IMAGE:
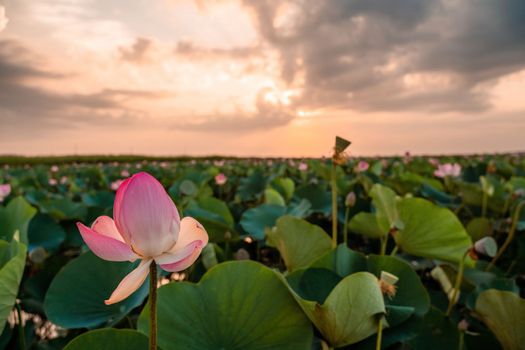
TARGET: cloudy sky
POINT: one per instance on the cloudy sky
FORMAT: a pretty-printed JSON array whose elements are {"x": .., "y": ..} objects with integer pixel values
[{"x": 261, "y": 77}]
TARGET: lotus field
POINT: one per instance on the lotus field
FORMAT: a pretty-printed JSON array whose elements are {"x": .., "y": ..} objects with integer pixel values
[{"x": 344, "y": 252}]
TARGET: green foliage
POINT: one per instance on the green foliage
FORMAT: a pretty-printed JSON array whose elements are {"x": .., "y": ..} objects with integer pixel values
[
  {"x": 12, "y": 263},
  {"x": 254, "y": 221},
  {"x": 431, "y": 231},
  {"x": 75, "y": 298},
  {"x": 236, "y": 305},
  {"x": 109, "y": 339},
  {"x": 16, "y": 217},
  {"x": 504, "y": 313},
  {"x": 299, "y": 242}
]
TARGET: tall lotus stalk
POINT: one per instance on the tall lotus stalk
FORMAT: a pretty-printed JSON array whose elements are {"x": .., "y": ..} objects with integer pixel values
[
  {"x": 146, "y": 227},
  {"x": 337, "y": 158},
  {"x": 510, "y": 237}
]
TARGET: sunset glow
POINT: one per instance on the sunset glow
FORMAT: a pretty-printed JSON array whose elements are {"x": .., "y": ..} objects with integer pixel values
[{"x": 260, "y": 78}]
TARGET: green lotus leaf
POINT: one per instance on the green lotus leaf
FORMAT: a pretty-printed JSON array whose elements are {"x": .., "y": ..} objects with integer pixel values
[
  {"x": 16, "y": 217},
  {"x": 366, "y": 224},
  {"x": 12, "y": 264},
  {"x": 299, "y": 242},
  {"x": 273, "y": 197},
  {"x": 254, "y": 221},
  {"x": 75, "y": 298},
  {"x": 504, "y": 313},
  {"x": 236, "y": 305},
  {"x": 431, "y": 231},
  {"x": 109, "y": 339},
  {"x": 351, "y": 311},
  {"x": 384, "y": 200}
]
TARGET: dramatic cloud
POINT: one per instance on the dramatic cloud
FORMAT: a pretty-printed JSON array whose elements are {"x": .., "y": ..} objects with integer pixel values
[
  {"x": 270, "y": 113},
  {"x": 395, "y": 55},
  {"x": 24, "y": 105}
]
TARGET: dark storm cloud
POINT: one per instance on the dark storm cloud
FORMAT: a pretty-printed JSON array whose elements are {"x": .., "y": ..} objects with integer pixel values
[{"x": 358, "y": 54}]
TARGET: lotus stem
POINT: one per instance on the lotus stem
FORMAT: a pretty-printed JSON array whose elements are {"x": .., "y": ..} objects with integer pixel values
[
  {"x": 394, "y": 251},
  {"x": 153, "y": 306},
  {"x": 345, "y": 227},
  {"x": 512, "y": 232},
  {"x": 334, "y": 205},
  {"x": 384, "y": 241},
  {"x": 457, "y": 283},
  {"x": 379, "y": 333}
]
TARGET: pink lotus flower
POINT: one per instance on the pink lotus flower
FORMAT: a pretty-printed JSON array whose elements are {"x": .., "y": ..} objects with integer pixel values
[
  {"x": 63, "y": 180},
  {"x": 52, "y": 182},
  {"x": 5, "y": 190},
  {"x": 361, "y": 166},
  {"x": 448, "y": 169},
  {"x": 54, "y": 168},
  {"x": 146, "y": 226},
  {"x": 124, "y": 173},
  {"x": 220, "y": 179},
  {"x": 303, "y": 166}
]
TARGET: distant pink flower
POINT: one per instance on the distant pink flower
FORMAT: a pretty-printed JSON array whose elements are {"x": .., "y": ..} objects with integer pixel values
[
  {"x": 303, "y": 166},
  {"x": 448, "y": 169},
  {"x": 218, "y": 163},
  {"x": 54, "y": 168},
  {"x": 124, "y": 173},
  {"x": 63, "y": 180},
  {"x": 361, "y": 166},
  {"x": 116, "y": 184},
  {"x": 5, "y": 190},
  {"x": 52, "y": 182},
  {"x": 220, "y": 179},
  {"x": 433, "y": 161},
  {"x": 164, "y": 165},
  {"x": 146, "y": 226}
]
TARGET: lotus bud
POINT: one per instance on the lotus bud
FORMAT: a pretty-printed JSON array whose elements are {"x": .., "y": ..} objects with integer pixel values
[
  {"x": 486, "y": 246},
  {"x": 220, "y": 179},
  {"x": 350, "y": 199}
]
